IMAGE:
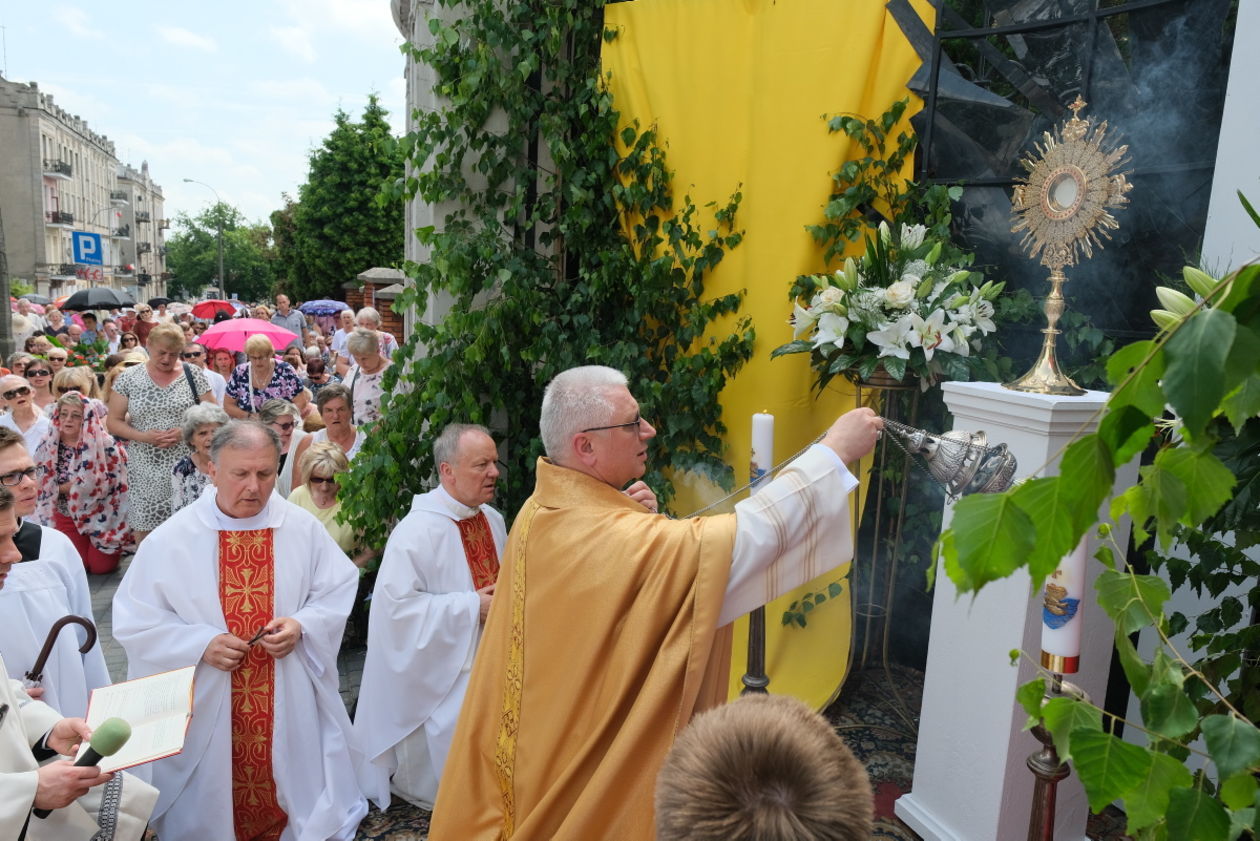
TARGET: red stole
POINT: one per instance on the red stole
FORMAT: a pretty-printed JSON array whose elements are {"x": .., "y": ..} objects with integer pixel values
[
  {"x": 483, "y": 560},
  {"x": 247, "y": 593}
]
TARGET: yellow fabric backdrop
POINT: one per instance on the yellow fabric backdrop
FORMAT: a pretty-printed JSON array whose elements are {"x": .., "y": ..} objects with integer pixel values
[{"x": 738, "y": 90}]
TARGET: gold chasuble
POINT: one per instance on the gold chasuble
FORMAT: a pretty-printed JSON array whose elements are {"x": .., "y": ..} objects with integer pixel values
[
  {"x": 483, "y": 560},
  {"x": 563, "y": 741},
  {"x": 247, "y": 593}
]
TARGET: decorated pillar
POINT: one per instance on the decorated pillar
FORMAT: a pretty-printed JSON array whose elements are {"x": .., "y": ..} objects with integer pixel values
[{"x": 971, "y": 782}]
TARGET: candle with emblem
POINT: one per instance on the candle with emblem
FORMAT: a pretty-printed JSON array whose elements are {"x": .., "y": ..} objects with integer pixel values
[
  {"x": 1061, "y": 614},
  {"x": 762, "y": 449}
]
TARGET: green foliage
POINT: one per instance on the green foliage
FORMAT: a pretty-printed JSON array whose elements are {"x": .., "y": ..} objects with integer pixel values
[
  {"x": 798, "y": 611},
  {"x": 1197, "y": 494},
  {"x": 18, "y": 287},
  {"x": 193, "y": 254},
  {"x": 582, "y": 255},
  {"x": 342, "y": 223}
]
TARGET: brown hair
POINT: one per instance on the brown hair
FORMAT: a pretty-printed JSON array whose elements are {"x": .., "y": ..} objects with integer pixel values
[
  {"x": 11, "y": 438},
  {"x": 763, "y": 768}
]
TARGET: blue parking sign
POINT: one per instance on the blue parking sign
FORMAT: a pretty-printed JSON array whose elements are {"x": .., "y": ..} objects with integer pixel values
[{"x": 87, "y": 248}]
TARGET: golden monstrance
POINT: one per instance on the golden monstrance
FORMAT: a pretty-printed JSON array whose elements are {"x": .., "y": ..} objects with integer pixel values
[{"x": 1063, "y": 208}]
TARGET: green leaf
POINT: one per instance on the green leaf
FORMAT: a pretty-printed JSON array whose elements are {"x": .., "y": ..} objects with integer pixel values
[
  {"x": 1088, "y": 471},
  {"x": 1147, "y": 802},
  {"x": 1195, "y": 379},
  {"x": 1194, "y": 816},
  {"x": 1132, "y": 601},
  {"x": 1062, "y": 716},
  {"x": 1234, "y": 744},
  {"x": 1143, "y": 389},
  {"x": 1239, "y": 791},
  {"x": 1135, "y": 668},
  {"x": 1050, "y": 503},
  {"x": 1243, "y": 403},
  {"x": 1030, "y": 696},
  {"x": 834, "y": 589},
  {"x": 1126, "y": 431},
  {"x": 1207, "y": 479},
  {"x": 992, "y": 538},
  {"x": 1108, "y": 767},
  {"x": 1166, "y": 498},
  {"x": 1168, "y": 711}
]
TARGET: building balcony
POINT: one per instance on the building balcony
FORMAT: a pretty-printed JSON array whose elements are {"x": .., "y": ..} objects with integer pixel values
[
  {"x": 59, "y": 219},
  {"x": 162, "y": 251},
  {"x": 144, "y": 278},
  {"x": 65, "y": 271},
  {"x": 167, "y": 275},
  {"x": 164, "y": 224},
  {"x": 118, "y": 197},
  {"x": 126, "y": 270},
  {"x": 121, "y": 232},
  {"x": 58, "y": 169},
  {"x": 144, "y": 247},
  {"x": 143, "y": 216}
]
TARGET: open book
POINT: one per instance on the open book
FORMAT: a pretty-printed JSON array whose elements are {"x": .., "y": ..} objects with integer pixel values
[{"x": 157, "y": 707}]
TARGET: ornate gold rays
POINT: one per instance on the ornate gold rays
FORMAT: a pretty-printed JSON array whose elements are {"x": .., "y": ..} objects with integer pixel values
[{"x": 1063, "y": 209}]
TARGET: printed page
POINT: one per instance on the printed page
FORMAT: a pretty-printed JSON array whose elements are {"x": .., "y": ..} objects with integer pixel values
[{"x": 157, "y": 707}]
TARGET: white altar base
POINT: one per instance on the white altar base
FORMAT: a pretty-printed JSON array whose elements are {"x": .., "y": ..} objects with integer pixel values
[{"x": 971, "y": 782}]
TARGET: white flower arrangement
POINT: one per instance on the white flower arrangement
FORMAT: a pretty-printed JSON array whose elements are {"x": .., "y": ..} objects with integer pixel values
[{"x": 896, "y": 306}]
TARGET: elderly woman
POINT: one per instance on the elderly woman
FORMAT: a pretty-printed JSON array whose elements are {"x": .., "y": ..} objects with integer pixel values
[
  {"x": 317, "y": 375},
  {"x": 147, "y": 407},
  {"x": 320, "y": 466},
  {"x": 333, "y": 403},
  {"x": 23, "y": 417},
  {"x": 260, "y": 378},
  {"x": 284, "y": 418},
  {"x": 366, "y": 376},
  {"x": 191, "y": 474},
  {"x": 57, "y": 358},
  {"x": 369, "y": 319},
  {"x": 18, "y": 362},
  {"x": 39, "y": 374},
  {"x": 79, "y": 378},
  {"x": 84, "y": 490}
]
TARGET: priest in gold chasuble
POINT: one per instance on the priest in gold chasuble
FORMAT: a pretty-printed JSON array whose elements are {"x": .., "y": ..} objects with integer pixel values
[
  {"x": 607, "y": 632},
  {"x": 253, "y": 591}
]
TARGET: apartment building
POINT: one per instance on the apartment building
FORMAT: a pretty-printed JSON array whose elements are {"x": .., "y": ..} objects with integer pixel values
[{"x": 57, "y": 175}]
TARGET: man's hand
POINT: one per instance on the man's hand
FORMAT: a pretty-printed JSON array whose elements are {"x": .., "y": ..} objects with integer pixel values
[
  {"x": 65, "y": 735},
  {"x": 281, "y": 637},
  {"x": 225, "y": 652},
  {"x": 854, "y": 433},
  {"x": 486, "y": 593},
  {"x": 643, "y": 495},
  {"x": 61, "y": 783}
]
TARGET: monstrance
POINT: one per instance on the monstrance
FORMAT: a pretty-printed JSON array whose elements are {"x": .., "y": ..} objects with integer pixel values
[{"x": 1063, "y": 208}]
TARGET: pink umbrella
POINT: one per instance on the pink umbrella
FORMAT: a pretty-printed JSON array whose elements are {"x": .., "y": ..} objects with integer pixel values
[
  {"x": 231, "y": 334},
  {"x": 34, "y": 307}
]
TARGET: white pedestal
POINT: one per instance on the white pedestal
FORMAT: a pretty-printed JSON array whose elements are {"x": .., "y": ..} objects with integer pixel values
[{"x": 970, "y": 778}]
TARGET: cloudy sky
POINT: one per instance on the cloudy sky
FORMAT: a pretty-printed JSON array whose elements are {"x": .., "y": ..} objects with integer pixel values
[{"x": 234, "y": 93}]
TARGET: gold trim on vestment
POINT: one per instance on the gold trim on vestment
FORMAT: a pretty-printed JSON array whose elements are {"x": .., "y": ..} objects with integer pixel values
[{"x": 513, "y": 686}]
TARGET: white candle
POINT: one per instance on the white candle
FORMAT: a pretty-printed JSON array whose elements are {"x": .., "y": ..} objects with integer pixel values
[
  {"x": 1061, "y": 614},
  {"x": 762, "y": 449}
]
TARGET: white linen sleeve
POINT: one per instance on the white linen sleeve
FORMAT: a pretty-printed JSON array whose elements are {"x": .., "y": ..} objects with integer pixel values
[{"x": 793, "y": 530}]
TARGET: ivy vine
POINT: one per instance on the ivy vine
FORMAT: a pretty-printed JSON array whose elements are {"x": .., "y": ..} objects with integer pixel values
[{"x": 564, "y": 245}]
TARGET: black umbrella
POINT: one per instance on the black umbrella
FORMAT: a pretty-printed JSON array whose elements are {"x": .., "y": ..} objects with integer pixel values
[
  {"x": 157, "y": 302},
  {"x": 99, "y": 298},
  {"x": 36, "y": 299}
]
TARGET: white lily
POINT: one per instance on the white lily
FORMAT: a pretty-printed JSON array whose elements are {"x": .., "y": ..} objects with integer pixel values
[
  {"x": 912, "y": 236},
  {"x": 831, "y": 330},
  {"x": 802, "y": 320},
  {"x": 892, "y": 338},
  {"x": 929, "y": 333}
]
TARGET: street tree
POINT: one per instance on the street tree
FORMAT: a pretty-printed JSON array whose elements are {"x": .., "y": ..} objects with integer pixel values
[
  {"x": 193, "y": 254},
  {"x": 342, "y": 224}
]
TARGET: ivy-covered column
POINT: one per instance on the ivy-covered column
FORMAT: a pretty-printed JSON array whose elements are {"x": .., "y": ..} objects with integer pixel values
[{"x": 970, "y": 777}]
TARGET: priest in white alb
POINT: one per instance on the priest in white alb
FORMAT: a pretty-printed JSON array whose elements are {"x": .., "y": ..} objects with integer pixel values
[
  {"x": 253, "y": 591},
  {"x": 607, "y": 632},
  {"x": 47, "y": 584},
  {"x": 431, "y": 597}
]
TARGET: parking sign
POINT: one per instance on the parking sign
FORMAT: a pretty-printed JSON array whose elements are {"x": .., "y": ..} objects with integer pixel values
[{"x": 87, "y": 248}]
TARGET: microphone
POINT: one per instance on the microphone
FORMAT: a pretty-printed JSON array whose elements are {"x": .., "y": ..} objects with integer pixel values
[{"x": 106, "y": 740}]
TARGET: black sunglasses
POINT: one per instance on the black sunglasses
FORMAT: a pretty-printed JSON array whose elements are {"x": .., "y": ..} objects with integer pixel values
[
  {"x": 30, "y": 373},
  {"x": 321, "y": 480},
  {"x": 191, "y": 354},
  {"x": 20, "y": 391}
]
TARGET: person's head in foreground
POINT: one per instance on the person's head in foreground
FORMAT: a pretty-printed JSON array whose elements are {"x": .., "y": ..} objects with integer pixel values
[
  {"x": 468, "y": 463},
  {"x": 590, "y": 422},
  {"x": 762, "y": 768},
  {"x": 244, "y": 456}
]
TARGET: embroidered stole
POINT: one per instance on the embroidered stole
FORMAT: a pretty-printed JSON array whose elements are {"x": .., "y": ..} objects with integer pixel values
[
  {"x": 247, "y": 593},
  {"x": 483, "y": 560}
]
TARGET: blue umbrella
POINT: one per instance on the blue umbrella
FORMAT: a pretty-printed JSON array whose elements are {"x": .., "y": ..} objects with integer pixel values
[{"x": 323, "y": 307}]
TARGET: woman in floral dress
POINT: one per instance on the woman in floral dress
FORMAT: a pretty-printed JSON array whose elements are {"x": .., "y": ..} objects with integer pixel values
[
  {"x": 260, "y": 378},
  {"x": 146, "y": 407}
]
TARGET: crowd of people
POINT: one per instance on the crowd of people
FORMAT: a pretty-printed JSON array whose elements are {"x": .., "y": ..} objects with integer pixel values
[{"x": 535, "y": 707}]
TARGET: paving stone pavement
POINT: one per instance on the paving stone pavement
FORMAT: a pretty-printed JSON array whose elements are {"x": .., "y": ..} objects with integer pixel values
[{"x": 103, "y": 587}]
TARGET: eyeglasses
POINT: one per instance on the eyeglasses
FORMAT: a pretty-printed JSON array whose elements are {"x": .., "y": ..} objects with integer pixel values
[
  {"x": 636, "y": 423},
  {"x": 16, "y": 477},
  {"x": 284, "y": 427},
  {"x": 30, "y": 373},
  {"x": 131, "y": 340},
  {"x": 52, "y": 358},
  {"x": 191, "y": 354},
  {"x": 20, "y": 391},
  {"x": 66, "y": 389},
  {"x": 323, "y": 480},
  {"x": 259, "y": 358}
]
